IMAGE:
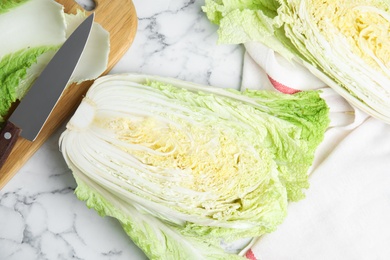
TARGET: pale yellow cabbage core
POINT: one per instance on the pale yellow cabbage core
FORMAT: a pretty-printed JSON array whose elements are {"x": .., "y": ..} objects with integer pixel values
[
  {"x": 196, "y": 158},
  {"x": 365, "y": 26}
]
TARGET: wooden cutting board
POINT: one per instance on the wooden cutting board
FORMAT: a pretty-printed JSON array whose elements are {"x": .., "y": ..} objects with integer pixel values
[{"x": 119, "y": 18}]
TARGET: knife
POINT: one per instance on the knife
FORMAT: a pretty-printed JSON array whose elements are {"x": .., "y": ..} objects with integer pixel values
[{"x": 34, "y": 109}]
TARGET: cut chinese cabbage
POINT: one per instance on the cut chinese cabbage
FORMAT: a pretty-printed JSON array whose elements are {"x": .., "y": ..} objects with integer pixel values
[
  {"x": 347, "y": 41},
  {"x": 188, "y": 168},
  {"x": 344, "y": 43}
]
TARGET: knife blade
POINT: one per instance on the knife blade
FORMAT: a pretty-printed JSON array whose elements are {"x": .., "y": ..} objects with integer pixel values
[{"x": 31, "y": 114}]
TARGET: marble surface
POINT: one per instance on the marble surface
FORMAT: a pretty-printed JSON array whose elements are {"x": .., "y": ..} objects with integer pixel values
[{"x": 40, "y": 217}]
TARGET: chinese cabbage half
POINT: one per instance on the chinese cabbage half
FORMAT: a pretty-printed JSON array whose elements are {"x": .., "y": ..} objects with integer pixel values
[
  {"x": 345, "y": 43},
  {"x": 191, "y": 171}
]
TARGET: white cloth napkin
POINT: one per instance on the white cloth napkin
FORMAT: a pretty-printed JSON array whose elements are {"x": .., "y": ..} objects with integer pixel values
[{"x": 346, "y": 212}]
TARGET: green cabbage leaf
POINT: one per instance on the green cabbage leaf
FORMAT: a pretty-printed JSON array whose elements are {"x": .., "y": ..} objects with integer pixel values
[
  {"x": 6, "y": 5},
  {"x": 192, "y": 171}
]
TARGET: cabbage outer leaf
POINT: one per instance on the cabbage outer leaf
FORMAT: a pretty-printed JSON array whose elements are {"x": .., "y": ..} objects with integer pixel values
[
  {"x": 94, "y": 59},
  {"x": 39, "y": 28},
  {"x": 6, "y": 5},
  {"x": 157, "y": 238},
  {"x": 246, "y": 21},
  {"x": 28, "y": 39}
]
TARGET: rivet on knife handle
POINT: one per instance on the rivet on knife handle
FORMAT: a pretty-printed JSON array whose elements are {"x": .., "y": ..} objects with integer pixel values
[{"x": 8, "y": 136}]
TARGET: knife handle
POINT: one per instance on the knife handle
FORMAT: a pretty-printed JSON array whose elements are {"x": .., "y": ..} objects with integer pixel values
[{"x": 8, "y": 136}]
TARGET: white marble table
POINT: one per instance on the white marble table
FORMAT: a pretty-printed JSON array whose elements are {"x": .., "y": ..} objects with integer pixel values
[{"x": 40, "y": 217}]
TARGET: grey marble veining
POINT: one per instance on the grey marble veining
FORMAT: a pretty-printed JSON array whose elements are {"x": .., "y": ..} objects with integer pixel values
[
  {"x": 175, "y": 39},
  {"x": 40, "y": 217}
]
